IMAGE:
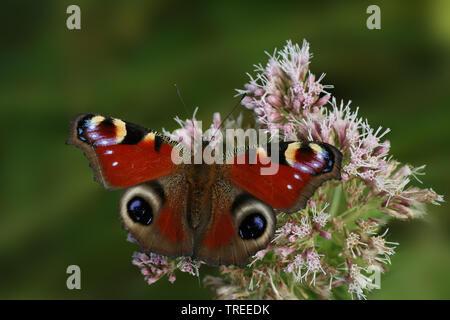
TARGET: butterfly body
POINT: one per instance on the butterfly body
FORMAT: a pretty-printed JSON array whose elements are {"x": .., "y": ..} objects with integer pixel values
[{"x": 219, "y": 213}]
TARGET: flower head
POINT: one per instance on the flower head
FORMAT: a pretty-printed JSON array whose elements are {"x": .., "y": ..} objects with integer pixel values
[
  {"x": 285, "y": 89},
  {"x": 340, "y": 226}
]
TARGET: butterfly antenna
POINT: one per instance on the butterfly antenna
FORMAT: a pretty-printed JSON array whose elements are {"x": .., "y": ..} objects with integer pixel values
[
  {"x": 181, "y": 99},
  {"x": 228, "y": 115},
  {"x": 185, "y": 108}
]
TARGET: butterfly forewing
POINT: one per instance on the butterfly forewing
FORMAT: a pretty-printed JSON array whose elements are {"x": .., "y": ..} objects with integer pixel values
[{"x": 121, "y": 154}]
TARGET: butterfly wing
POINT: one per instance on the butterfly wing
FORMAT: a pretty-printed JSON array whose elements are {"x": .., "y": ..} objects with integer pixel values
[
  {"x": 122, "y": 154},
  {"x": 243, "y": 199},
  {"x": 126, "y": 155},
  {"x": 155, "y": 214},
  {"x": 297, "y": 171},
  {"x": 239, "y": 226}
]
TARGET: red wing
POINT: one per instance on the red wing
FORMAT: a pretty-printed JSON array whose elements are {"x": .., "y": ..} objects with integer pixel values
[
  {"x": 221, "y": 230},
  {"x": 302, "y": 169},
  {"x": 169, "y": 220},
  {"x": 122, "y": 154},
  {"x": 240, "y": 225}
]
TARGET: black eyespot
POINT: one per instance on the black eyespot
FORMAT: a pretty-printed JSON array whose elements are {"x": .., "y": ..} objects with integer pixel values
[
  {"x": 140, "y": 211},
  {"x": 253, "y": 226}
]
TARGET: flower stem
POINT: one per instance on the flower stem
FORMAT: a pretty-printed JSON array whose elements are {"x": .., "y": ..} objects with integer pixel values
[{"x": 335, "y": 200}]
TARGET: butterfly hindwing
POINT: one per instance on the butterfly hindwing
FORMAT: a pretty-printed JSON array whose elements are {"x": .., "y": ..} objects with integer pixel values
[
  {"x": 240, "y": 225},
  {"x": 176, "y": 216},
  {"x": 121, "y": 154},
  {"x": 155, "y": 214}
]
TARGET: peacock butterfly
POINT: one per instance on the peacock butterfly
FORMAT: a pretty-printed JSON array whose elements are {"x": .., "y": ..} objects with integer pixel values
[{"x": 218, "y": 213}]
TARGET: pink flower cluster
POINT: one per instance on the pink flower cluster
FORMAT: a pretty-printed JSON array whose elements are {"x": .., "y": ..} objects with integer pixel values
[
  {"x": 339, "y": 239},
  {"x": 155, "y": 266},
  {"x": 319, "y": 250},
  {"x": 191, "y": 131},
  {"x": 285, "y": 89}
]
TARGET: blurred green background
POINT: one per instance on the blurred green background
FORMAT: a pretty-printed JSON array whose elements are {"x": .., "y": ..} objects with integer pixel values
[{"x": 125, "y": 61}]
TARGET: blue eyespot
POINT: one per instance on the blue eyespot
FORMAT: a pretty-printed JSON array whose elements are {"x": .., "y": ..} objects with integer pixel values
[
  {"x": 140, "y": 211},
  {"x": 253, "y": 226}
]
